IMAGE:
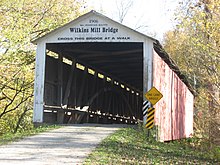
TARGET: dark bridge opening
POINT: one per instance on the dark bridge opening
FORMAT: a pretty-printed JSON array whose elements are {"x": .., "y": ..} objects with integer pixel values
[{"x": 93, "y": 82}]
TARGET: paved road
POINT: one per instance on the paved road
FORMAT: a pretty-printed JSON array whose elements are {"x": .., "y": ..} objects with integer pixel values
[{"x": 66, "y": 145}]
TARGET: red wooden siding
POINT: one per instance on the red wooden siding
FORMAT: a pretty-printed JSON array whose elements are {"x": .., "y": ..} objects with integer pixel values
[{"x": 174, "y": 112}]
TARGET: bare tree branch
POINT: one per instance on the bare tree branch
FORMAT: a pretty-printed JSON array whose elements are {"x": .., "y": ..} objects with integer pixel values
[{"x": 123, "y": 8}]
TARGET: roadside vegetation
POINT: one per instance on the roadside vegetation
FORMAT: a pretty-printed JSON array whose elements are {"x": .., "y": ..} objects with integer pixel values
[
  {"x": 194, "y": 46},
  {"x": 11, "y": 137},
  {"x": 132, "y": 146},
  {"x": 21, "y": 22}
]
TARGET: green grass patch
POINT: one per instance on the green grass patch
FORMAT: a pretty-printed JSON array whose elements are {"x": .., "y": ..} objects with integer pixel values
[
  {"x": 10, "y": 137},
  {"x": 131, "y": 146}
]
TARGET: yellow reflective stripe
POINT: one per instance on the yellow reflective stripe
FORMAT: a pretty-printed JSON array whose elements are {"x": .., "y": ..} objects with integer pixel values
[
  {"x": 149, "y": 114},
  {"x": 149, "y": 124},
  {"x": 148, "y": 119},
  {"x": 150, "y": 110}
]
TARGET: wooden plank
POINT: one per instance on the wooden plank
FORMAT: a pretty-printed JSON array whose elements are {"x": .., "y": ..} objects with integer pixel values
[
  {"x": 110, "y": 97},
  {"x": 140, "y": 106},
  {"x": 91, "y": 54},
  {"x": 69, "y": 84},
  {"x": 102, "y": 99},
  {"x": 60, "y": 80},
  {"x": 110, "y": 103},
  {"x": 106, "y": 62},
  {"x": 117, "y": 103},
  {"x": 133, "y": 104},
  {"x": 93, "y": 89},
  {"x": 60, "y": 113},
  {"x": 74, "y": 86},
  {"x": 82, "y": 87},
  {"x": 128, "y": 104},
  {"x": 51, "y": 82},
  {"x": 123, "y": 108}
]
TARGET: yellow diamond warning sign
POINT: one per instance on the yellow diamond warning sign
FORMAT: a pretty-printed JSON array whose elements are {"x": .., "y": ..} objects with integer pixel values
[{"x": 153, "y": 95}]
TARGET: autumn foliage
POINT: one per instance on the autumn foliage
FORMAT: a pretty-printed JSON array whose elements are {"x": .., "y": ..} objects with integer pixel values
[
  {"x": 20, "y": 22},
  {"x": 194, "y": 45}
]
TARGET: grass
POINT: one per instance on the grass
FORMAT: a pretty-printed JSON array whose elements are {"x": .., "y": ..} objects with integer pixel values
[
  {"x": 131, "y": 146},
  {"x": 10, "y": 137}
]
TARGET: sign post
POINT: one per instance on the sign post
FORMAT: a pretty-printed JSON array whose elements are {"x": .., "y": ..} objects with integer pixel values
[{"x": 150, "y": 118}]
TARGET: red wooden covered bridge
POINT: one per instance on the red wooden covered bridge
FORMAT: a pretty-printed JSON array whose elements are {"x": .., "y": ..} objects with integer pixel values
[{"x": 94, "y": 69}]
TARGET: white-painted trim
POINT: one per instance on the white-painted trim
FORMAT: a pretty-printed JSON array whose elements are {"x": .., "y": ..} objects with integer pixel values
[
  {"x": 150, "y": 66},
  {"x": 39, "y": 83},
  {"x": 147, "y": 69}
]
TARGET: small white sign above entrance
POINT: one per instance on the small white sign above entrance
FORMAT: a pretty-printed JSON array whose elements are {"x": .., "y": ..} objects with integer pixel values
[{"x": 93, "y": 28}]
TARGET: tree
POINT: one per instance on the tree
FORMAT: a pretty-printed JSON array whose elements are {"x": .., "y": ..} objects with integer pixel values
[
  {"x": 20, "y": 22},
  {"x": 123, "y": 7},
  {"x": 195, "y": 47}
]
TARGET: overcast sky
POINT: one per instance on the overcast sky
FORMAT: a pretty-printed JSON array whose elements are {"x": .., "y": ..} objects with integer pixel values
[{"x": 153, "y": 17}]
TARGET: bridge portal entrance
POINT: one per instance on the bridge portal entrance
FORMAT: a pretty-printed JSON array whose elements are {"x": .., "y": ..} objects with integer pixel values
[{"x": 93, "y": 82}]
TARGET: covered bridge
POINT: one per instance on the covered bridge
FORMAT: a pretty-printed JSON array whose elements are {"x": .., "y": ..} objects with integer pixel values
[{"x": 94, "y": 69}]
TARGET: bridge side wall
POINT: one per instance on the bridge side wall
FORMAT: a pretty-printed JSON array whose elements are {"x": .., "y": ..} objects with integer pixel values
[{"x": 174, "y": 112}]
